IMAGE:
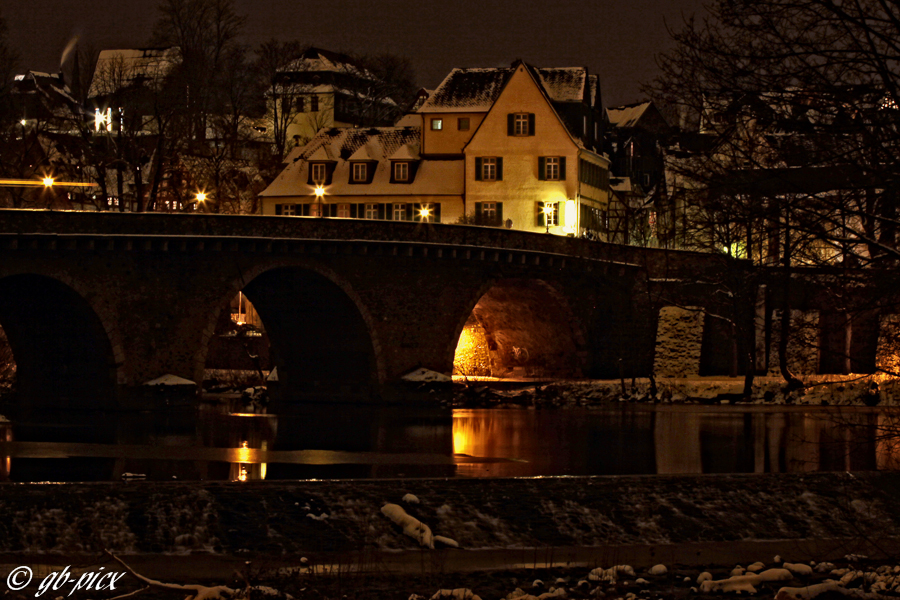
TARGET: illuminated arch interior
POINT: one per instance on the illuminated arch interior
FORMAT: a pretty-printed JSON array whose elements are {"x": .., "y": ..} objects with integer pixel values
[{"x": 519, "y": 328}]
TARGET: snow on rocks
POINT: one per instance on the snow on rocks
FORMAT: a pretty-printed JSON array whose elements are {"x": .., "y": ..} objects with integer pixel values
[
  {"x": 798, "y": 569},
  {"x": 446, "y": 541},
  {"x": 657, "y": 570},
  {"x": 610, "y": 575},
  {"x": 426, "y": 375},
  {"x": 756, "y": 567},
  {"x": 412, "y": 527},
  {"x": 410, "y": 499},
  {"x": 457, "y": 594},
  {"x": 745, "y": 583},
  {"x": 809, "y": 592},
  {"x": 704, "y": 576}
]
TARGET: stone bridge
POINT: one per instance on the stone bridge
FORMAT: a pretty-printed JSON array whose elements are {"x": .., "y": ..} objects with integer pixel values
[{"x": 95, "y": 304}]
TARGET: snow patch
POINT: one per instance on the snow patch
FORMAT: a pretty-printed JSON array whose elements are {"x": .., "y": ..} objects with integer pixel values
[{"x": 412, "y": 527}]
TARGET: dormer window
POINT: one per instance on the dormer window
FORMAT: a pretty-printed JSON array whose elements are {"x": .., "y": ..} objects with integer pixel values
[
  {"x": 401, "y": 171},
  {"x": 317, "y": 173},
  {"x": 360, "y": 172}
]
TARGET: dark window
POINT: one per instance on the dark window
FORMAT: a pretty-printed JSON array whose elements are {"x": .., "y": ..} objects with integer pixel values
[
  {"x": 462, "y": 123},
  {"x": 314, "y": 104}
]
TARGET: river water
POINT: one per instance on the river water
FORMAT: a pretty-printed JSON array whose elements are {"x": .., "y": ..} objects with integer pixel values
[{"x": 361, "y": 442}]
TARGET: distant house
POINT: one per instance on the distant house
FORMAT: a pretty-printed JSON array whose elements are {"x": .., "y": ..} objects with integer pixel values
[
  {"x": 374, "y": 173},
  {"x": 321, "y": 89},
  {"x": 46, "y": 99},
  {"x": 516, "y": 147},
  {"x": 634, "y": 143}
]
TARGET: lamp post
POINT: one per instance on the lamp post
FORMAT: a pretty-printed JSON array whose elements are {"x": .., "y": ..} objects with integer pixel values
[
  {"x": 548, "y": 212},
  {"x": 320, "y": 198},
  {"x": 424, "y": 213}
]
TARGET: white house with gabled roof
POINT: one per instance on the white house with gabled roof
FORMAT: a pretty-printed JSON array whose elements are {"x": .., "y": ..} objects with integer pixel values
[{"x": 516, "y": 147}]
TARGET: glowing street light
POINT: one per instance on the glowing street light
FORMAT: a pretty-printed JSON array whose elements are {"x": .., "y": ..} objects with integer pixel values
[
  {"x": 425, "y": 212},
  {"x": 548, "y": 212},
  {"x": 201, "y": 197},
  {"x": 47, "y": 181},
  {"x": 320, "y": 192}
]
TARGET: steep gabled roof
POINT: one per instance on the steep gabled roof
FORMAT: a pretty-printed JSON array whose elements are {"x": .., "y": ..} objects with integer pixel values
[
  {"x": 627, "y": 116},
  {"x": 317, "y": 60},
  {"x": 468, "y": 90}
]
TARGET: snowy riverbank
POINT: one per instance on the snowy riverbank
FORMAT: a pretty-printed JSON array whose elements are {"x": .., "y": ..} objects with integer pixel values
[{"x": 820, "y": 390}]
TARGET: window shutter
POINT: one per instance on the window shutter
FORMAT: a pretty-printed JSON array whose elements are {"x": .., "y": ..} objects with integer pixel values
[
  {"x": 309, "y": 167},
  {"x": 416, "y": 211},
  {"x": 437, "y": 212},
  {"x": 542, "y": 168},
  {"x": 381, "y": 211},
  {"x": 408, "y": 213},
  {"x": 332, "y": 210},
  {"x": 413, "y": 167},
  {"x": 499, "y": 169},
  {"x": 329, "y": 171},
  {"x": 562, "y": 168},
  {"x": 530, "y": 123},
  {"x": 370, "y": 171},
  {"x": 500, "y": 213},
  {"x": 354, "y": 211},
  {"x": 278, "y": 208},
  {"x": 305, "y": 210},
  {"x": 478, "y": 212},
  {"x": 539, "y": 214},
  {"x": 478, "y": 163},
  {"x": 510, "y": 124}
]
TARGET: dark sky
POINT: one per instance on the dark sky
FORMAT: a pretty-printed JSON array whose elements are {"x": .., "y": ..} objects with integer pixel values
[{"x": 616, "y": 39}]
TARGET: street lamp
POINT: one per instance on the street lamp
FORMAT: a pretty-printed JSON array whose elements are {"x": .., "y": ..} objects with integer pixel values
[
  {"x": 424, "y": 213},
  {"x": 548, "y": 212},
  {"x": 47, "y": 181},
  {"x": 320, "y": 198}
]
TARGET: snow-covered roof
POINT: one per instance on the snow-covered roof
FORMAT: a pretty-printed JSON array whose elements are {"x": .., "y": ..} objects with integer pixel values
[
  {"x": 44, "y": 84},
  {"x": 126, "y": 66},
  {"x": 628, "y": 115},
  {"x": 476, "y": 90},
  {"x": 170, "y": 379},
  {"x": 564, "y": 84},
  {"x": 380, "y": 144},
  {"x": 317, "y": 60},
  {"x": 468, "y": 90}
]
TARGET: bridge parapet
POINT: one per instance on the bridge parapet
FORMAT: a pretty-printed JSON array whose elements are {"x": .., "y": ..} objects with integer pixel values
[{"x": 157, "y": 230}]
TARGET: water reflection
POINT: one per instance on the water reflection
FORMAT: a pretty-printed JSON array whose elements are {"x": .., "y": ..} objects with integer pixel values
[
  {"x": 677, "y": 439},
  {"x": 366, "y": 442}
]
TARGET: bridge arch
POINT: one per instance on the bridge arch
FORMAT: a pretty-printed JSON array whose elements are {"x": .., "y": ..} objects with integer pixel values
[
  {"x": 321, "y": 334},
  {"x": 519, "y": 327},
  {"x": 62, "y": 349}
]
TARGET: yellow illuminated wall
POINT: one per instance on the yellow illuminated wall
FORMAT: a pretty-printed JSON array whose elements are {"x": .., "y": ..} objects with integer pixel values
[{"x": 472, "y": 356}]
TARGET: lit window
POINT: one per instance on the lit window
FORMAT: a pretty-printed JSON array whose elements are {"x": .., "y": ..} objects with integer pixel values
[
  {"x": 315, "y": 210},
  {"x": 521, "y": 124},
  {"x": 401, "y": 171},
  {"x": 552, "y": 168},
  {"x": 489, "y": 169},
  {"x": 318, "y": 173},
  {"x": 399, "y": 212},
  {"x": 489, "y": 211},
  {"x": 359, "y": 171},
  {"x": 343, "y": 211},
  {"x": 462, "y": 123},
  {"x": 314, "y": 103},
  {"x": 437, "y": 124},
  {"x": 371, "y": 211}
]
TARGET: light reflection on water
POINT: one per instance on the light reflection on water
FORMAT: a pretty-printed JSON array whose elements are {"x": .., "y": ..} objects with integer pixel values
[{"x": 365, "y": 442}]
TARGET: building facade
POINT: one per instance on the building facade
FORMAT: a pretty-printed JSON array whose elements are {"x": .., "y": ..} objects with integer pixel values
[{"x": 515, "y": 147}]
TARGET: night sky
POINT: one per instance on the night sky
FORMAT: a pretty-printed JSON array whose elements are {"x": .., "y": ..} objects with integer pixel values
[{"x": 617, "y": 40}]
